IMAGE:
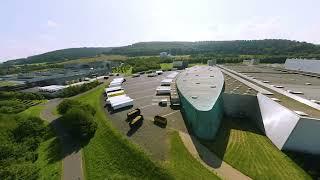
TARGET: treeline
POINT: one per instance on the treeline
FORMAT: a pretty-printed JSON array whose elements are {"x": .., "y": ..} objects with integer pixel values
[
  {"x": 60, "y": 55},
  {"x": 19, "y": 144},
  {"x": 74, "y": 90},
  {"x": 145, "y": 64},
  {"x": 11, "y": 69},
  {"x": 239, "y": 47}
]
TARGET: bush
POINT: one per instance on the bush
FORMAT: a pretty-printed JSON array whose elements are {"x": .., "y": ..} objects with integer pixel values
[
  {"x": 31, "y": 130},
  {"x": 79, "y": 123},
  {"x": 68, "y": 104},
  {"x": 74, "y": 90}
]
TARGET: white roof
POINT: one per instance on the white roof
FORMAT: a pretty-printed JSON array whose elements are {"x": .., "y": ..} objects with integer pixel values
[
  {"x": 52, "y": 88},
  {"x": 115, "y": 92},
  {"x": 166, "y": 81},
  {"x": 159, "y": 88},
  {"x": 115, "y": 84},
  {"x": 113, "y": 89},
  {"x": 172, "y": 75},
  {"x": 118, "y": 98},
  {"x": 122, "y": 100}
]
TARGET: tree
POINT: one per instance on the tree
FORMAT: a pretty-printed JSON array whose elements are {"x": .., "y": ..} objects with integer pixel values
[{"x": 79, "y": 123}]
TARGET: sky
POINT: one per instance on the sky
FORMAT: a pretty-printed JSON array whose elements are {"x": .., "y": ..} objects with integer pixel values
[{"x": 29, "y": 27}]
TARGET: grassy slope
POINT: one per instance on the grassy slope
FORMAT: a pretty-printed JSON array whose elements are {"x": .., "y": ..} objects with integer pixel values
[
  {"x": 181, "y": 163},
  {"x": 110, "y": 155},
  {"x": 49, "y": 151},
  {"x": 6, "y": 83},
  {"x": 95, "y": 59},
  {"x": 166, "y": 66},
  {"x": 243, "y": 147}
]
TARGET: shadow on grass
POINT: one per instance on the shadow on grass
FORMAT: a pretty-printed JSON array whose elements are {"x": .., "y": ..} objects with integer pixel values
[
  {"x": 65, "y": 141},
  {"x": 219, "y": 145},
  {"x": 308, "y": 162}
]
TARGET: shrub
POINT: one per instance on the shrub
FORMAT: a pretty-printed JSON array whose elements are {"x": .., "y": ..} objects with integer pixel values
[
  {"x": 74, "y": 90},
  {"x": 80, "y": 123},
  {"x": 67, "y": 104},
  {"x": 30, "y": 129}
]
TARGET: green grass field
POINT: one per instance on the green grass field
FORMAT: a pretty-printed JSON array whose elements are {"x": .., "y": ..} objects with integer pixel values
[
  {"x": 166, "y": 66},
  {"x": 109, "y": 155},
  {"x": 182, "y": 164},
  {"x": 242, "y": 146},
  {"x": 97, "y": 58},
  {"x": 6, "y": 83}
]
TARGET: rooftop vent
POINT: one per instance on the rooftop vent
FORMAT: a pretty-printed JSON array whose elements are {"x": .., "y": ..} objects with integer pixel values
[
  {"x": 197, "y": 83},
  {"x": 213, "y": 86},
  {"x": 212, "y": 76},
  {"x": 194, "y": 97}
]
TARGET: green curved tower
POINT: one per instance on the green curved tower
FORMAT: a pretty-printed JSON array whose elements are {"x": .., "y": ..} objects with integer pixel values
[{"x": 200, "y": 89}]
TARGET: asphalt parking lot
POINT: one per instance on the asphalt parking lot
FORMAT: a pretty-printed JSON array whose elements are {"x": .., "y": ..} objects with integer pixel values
[{"x": 152, "y": 138}]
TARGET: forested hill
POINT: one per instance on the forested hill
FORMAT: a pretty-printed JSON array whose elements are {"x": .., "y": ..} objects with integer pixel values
[
  {"x": 239, "y": 47},
  {"x": 61, "y": 55},
  {"x": 269, "y": 47}
]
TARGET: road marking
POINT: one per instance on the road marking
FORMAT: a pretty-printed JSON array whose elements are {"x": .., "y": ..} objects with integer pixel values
[
  {"x": 141, "y": 91},
  {"x": 143, "y": 97},
  {"x": 170, "y": 113},
  {"x": 147, "y": 106}
]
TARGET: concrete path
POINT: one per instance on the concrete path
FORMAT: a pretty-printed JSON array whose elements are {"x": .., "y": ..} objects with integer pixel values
[
  {"x": 71, "y": 152},
  {"x": 210, "y": 160}
]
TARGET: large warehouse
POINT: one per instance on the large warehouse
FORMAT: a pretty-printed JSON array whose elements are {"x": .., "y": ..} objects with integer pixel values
[{"x": 200, "y": 89}]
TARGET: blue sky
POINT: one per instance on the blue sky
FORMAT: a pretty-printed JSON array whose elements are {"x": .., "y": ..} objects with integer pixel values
[{"x": 31, "y": 27}]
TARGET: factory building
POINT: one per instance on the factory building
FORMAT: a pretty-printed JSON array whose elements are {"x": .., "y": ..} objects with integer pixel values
[
  {"x": 251, "y": 62},
  {"x": 200, "y": 89},
  {"x": 212, "y": 62},
  {"x": 303, "y": 65}
]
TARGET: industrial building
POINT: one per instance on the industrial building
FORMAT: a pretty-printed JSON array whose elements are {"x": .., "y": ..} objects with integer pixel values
[
  {"x": 200, "y": 89},
  {"x": 303, "y": 65},
  {"x": 251, "y": 62},
  {"x": 70, "y": 74}
]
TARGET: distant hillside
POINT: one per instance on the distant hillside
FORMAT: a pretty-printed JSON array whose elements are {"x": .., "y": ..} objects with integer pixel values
[
  {"x": 239, "y": 47},
  {"x": 268, "y": 47},
  {"x": 61, "y": 55}
]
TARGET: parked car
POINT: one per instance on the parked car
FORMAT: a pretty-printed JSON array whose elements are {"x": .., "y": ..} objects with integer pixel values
[
  {"x": 152, "y": 75},
  {"x": 135, "y": 75}
]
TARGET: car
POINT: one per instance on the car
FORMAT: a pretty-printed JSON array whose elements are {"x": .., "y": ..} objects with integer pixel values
[
  {"x": 160, "y": 120},
  {"x": 134, "y": 113}
]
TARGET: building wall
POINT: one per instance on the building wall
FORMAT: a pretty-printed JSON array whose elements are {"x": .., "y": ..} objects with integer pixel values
[
  {"x": 243, "y": 106},
  {"x": 305, "y": 65},
  {"x": 305, "y": 136},
  {"x": 204, "y": 124},
  {"x": 278, "y": 121}
]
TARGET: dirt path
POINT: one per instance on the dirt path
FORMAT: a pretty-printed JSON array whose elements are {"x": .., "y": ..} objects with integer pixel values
[
  {"x": 210, "y": 160},
  {"x": 71, "y": 152}
]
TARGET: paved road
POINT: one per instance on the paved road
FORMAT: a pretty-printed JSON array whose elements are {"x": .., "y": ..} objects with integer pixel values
[
  {"x": 71, "y": 152},
  {"x": 210, "y": 160}
]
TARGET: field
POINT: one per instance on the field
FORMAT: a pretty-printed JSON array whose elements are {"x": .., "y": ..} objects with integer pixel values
[
  {"x": 166, "y": 66},
  {"x": 97, "y": 58},
  {"x": 109, "y": 155},
  {"x": 6, "y": 83},
  {"x": 244, "y": 147}
]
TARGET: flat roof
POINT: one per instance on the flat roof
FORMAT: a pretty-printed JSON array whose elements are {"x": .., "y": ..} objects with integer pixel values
[{"x": 201, "y": 86}]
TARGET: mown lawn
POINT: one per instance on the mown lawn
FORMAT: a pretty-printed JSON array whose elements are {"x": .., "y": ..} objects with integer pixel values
[
  {"x": 166, "y": 66},
  {"x": 109, "y": 155},
  {"x": 244, "y": 147},
  {"x": 182, "y": 164}
]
